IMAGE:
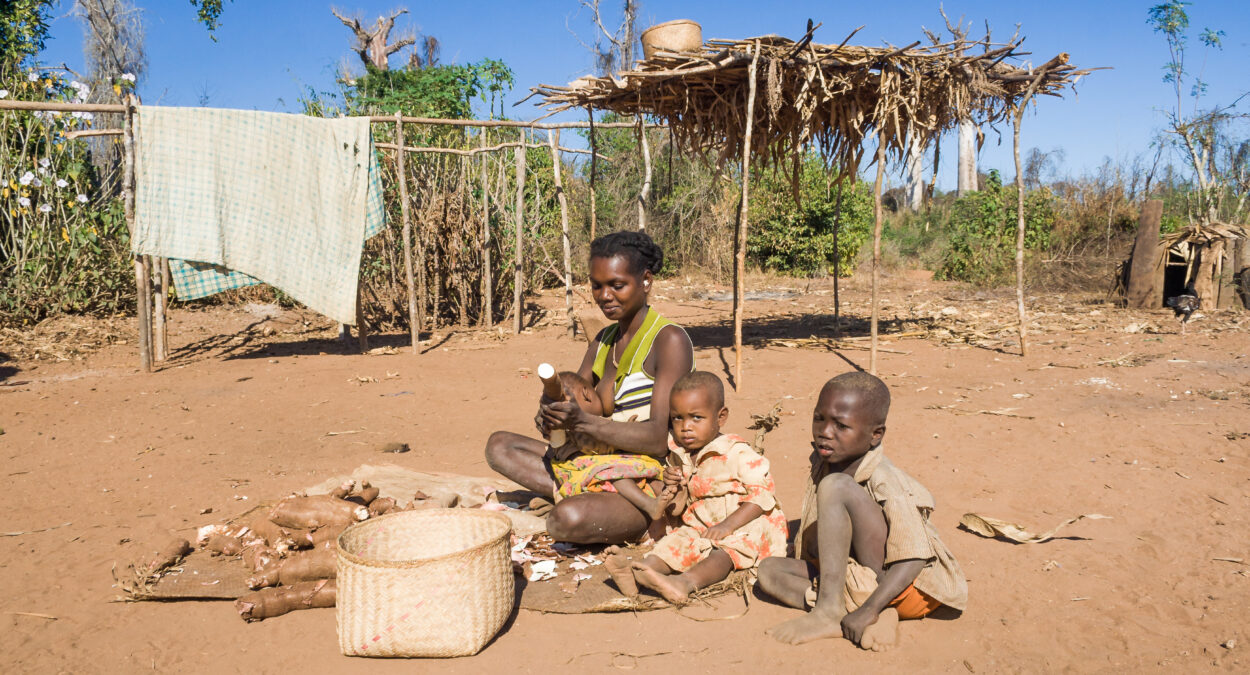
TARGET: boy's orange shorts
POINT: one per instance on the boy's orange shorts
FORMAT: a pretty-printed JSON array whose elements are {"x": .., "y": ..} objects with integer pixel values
[{"x": 913, "y": 603}]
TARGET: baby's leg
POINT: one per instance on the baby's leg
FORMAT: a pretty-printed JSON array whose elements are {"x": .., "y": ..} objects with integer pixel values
[
  {"x": 787, "y": 580},
  {"x": 628, "y": 488},
  {"x": 846, "y": 518},
  {"x": 676, "y": 588}
]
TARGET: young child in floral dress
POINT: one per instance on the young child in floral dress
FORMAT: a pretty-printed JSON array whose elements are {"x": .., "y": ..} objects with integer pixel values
[{"x": 723, "y": 492}]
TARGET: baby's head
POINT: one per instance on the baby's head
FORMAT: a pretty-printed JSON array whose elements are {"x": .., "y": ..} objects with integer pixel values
[
  {"x": 583, "y": 392},
  {"x": 697, "y": 409},
  {"x": 849, "y": 419}
]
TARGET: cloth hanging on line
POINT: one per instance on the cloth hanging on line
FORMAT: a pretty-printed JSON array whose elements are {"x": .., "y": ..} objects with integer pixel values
[{"x": 238, "y": 197}]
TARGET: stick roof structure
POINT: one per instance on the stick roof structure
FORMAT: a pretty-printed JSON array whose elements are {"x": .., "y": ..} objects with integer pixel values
[{"x": 830, "y": 97}]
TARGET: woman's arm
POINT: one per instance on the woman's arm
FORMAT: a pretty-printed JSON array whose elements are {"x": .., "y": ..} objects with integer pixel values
[{"x": 674, "y": 358}]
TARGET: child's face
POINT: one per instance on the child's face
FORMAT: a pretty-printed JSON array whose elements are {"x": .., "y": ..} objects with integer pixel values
[
  {"x": 694, "y": 418},
  {"x": 843, "y": 429}
]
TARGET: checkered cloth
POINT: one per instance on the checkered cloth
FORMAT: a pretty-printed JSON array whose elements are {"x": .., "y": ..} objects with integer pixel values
[{"x": 238, "y": 197}]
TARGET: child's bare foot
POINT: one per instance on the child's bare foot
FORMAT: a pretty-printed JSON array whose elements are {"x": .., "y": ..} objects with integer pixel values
[
  {"x": 672, "y": 587},
  {"x": 673, "y": 501},
  {"x": 815, "y": 625},
  {"x": 619, "y": 567},
  {"x": 883, "y": 634}
]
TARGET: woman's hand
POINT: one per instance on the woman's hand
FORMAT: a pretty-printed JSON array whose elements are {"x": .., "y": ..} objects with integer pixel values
[{"x": 561, "y": 415}]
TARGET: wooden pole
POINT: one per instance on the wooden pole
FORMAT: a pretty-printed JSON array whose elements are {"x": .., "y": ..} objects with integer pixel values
[
  {"x": 594, "y": 156},
  {"x": 414, "y": 329},
  {"x": 645, "y": 194},
  {"x": 143, "y": 278},
  {"x": 554, "y": 139},
  {"x": 878, "y": 216},
  {"x": 837, "y": 265},
  {"x": 518, "y": 275},
  {"x": 1015, "y": 150},
  {"x": 362, "y": 331},
  {"x": 487, "y": 316},
  {"x": 158, "y": 328},
  {"x": 740, "y": 255}
]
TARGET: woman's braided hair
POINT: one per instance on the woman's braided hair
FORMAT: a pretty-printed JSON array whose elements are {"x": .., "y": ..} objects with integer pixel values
[{"x": 642, "y": 253}]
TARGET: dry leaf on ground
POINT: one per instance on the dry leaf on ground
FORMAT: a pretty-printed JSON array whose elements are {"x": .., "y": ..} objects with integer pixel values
[{"x": 993, "y": 527}]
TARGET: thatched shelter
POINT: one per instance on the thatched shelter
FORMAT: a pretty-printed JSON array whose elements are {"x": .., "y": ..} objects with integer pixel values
[
  {"x": 831, "y": 98},
  {"x": 1211, "y": 259}
]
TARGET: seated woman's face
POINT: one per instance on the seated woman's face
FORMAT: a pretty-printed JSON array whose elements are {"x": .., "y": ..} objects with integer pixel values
[{"x": 616, "y": 289}]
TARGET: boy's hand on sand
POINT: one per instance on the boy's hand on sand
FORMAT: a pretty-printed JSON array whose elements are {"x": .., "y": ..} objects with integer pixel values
[
  {"x": 718, "y": 531},
  {"x": 855, "y": 623}
]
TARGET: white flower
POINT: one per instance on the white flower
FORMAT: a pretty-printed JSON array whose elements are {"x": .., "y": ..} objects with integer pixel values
[
  {"x": 128, "y": 76},
  {"x": 61, "y": 182},
  {"x": 26, "y": 178},
  {"x": 76, "y": 115},
  {"x": 82, "y": 199},
  {"x": 23, "y": 201},
  {"x": 76, "y": 84},
  {"x": 45, "y": 162},
  {"x": 42, "y": 172},
  {"x": 44, "y": 208},
  {"x": 88, "y": 116},
  {"x": 37, "y": 182},
  {"x": 4, "y": 93},
  {"x": 32, "y": 76}
]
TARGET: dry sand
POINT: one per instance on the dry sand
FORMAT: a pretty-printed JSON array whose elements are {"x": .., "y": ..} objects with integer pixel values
[{"x": 124, "y": 459}]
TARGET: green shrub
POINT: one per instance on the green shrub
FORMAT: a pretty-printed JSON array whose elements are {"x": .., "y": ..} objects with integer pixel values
[
  {"x": 982, "y": 230},
  {"x": 798, "y": 239}
]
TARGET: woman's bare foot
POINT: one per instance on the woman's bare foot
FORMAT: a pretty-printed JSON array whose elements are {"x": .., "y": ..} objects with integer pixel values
[
  {"x": 672, "y": 587},
  {"x": 883, "y": 634},
  {"x": 814, "y": 625},
  {"x": 619, "y": 567}
]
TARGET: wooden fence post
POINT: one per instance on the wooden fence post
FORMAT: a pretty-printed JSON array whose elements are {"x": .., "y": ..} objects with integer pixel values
[
  {"x": 594, "y": 156},
  {"x": 143, "y": 278},
  {"x": 553, "y": 138},
  {"x": 158, "y": 329},
  {"x": 1015, "y": 149},
  {"x": 645, "y": 194},
  {"x": 413, "y": 328},
  {"x": 518, "y": 274},
  {"x": 740, "y": 244},
  {"x": 877, "y": 216},
  {"x": 487, "y": 316}
]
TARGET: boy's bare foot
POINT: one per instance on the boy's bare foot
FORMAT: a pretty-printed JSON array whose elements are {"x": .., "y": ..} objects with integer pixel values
[
  {"x": 619, "y": 567},
  {"x": 883, "y": 634},
  {"x": 815, "y": 625},
  {"x": 672, "y": 587},
  {"x": 674, "y": 501}
]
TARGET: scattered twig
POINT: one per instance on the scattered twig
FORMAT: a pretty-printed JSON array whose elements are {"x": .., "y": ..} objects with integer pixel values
[
  {"x": 1005, "y": 412},
  {"x": 44, "y": 529},
  {"x": 37, "y": 615}
]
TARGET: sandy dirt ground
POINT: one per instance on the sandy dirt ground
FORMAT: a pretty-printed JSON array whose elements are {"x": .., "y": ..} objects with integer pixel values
[{"x": 1112, "y": 412}]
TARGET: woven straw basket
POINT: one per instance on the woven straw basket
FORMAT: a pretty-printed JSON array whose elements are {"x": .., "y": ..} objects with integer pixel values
[
  {"x": 434, "y": 582},
  {"x": 682, "y": 35}
]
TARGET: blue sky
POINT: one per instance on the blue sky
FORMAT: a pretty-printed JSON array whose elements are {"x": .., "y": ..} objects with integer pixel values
[{"x": 269, "y": 51}]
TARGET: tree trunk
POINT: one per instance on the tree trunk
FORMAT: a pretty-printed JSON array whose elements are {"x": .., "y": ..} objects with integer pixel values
[
  {"x": 967, "y": 157},
  {"x": 554, "y": 140},
  {"x": 487, "y": 316},
  {"x": 1145, "y": 280},
  {"x": 915, "y": 173}
]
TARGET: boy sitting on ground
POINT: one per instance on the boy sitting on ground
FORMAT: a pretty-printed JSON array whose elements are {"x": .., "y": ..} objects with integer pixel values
[
  {"x": 730, "y": 516},
  {"x": 859, "y": 503}
]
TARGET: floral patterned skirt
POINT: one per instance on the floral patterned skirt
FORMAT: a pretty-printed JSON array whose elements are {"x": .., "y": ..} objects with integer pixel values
[{"x": 595, "y": 473}]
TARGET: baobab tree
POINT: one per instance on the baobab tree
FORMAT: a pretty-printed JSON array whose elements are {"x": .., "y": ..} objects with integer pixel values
[{"x": 373, "y": 46}]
